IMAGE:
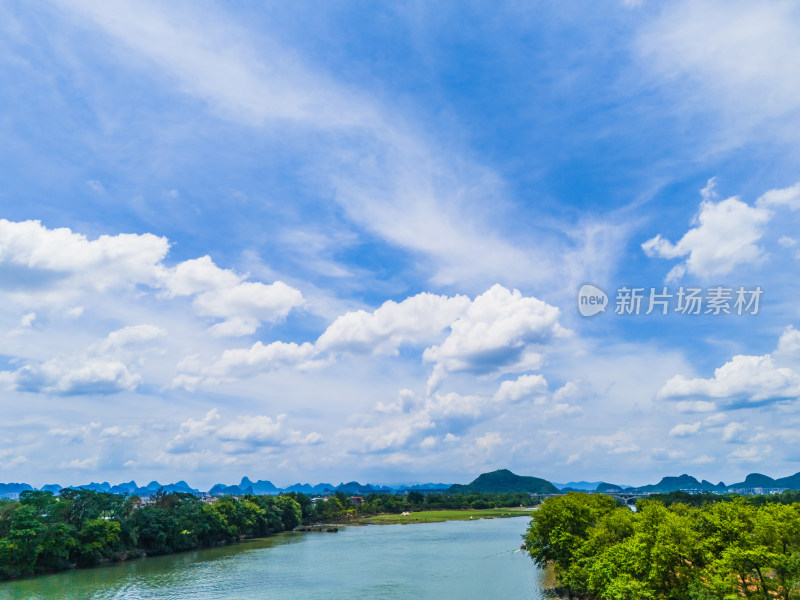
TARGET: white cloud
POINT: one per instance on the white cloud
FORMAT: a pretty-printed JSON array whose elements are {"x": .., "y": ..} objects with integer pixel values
[
  {"x": 199, "y": 275},
  {"x": 786, "y": 197},
  {"x": 193, "y": 433},
  {"x": 788, "y": 349},
  {"x": 733, "y": 432},
  {"x": 750, "y": 454},
  {"x": 685, "y": 429},
  {"x": 410, "y": 419},
  {"x": 102, "y": 369},
  {"x": 243, "y": 362},
  {"x": 725, "y": 235},
  {"x": 238, "y": 437},
  {"x": 74, "y": 435},
  {"x": 222, "y": 293},
  {"x": 261, "y": 430},
  {"x": 695, "y": 406},
  {"x": 86, "y": 464},
  {"x": 744, "y": 380},
  {"x": 68, "y": 262},
  {"x": 74, "y": 312},
  {"x": 415, "y": 320},
  {"x": 620, "y": 442},
  {"x": 64, "y": 266},
  {"x": 129, "y": 337},
  {"x": 501, "y": 331},
  {"x": 489, "y": 440},
  {"x": 67, "y": 377},
  {"x": 735, "y": 60},
  {"x": 524, "y": 387}
]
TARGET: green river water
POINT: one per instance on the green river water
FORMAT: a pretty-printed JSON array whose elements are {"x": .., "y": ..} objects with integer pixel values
[{"x": 442, "y": 561}]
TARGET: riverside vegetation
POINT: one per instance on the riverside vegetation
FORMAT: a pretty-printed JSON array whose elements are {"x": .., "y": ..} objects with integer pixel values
[
  {"x": 45, "y": 533},
  {"x": 42, "y": 533},
  {"x": 723, "y": 548}
]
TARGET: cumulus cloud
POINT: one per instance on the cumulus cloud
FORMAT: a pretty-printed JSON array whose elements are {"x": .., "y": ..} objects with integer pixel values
[
  {"x": 526, "y": 386},
  {"x": 742, "y": 381},
  {"x": 62, "y": 266},
  {"x": 415, "y": 320},
  {"x": 217, "y": 292},
  {"x": 410, "y": 419},
  {"x": 726, "y": 234},
  {"x": 67, "y": 377},
  {"x": 788, "y": 350},
  {"x": 235, "y": 437},
  {"x": 70, "y": 261},
  {"x": 243, "y": 362},
  {"x": 128, "y": 337},
  {"x": 261, "y": 430},
  {"x": 446, "y": 417},
  {"x": 685, "y": 429},
  {"x": 489, "y": 441},
  {"x": 733, "y": 432},
  {"x": 102, "y": 369},
  {"x": 193, "y": 432},
  {"x": 501, "y": 331}
]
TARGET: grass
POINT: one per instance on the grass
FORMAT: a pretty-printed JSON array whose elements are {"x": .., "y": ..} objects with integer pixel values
[{"x": 437, "y": 516}]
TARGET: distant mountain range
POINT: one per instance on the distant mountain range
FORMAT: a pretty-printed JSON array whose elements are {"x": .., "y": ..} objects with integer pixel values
[
  {"x": 752, "y": 483},
  {"x": 246, "y": 486},
  {"x": 586, "y": 486},
  {"x": 500, "y": 481}
]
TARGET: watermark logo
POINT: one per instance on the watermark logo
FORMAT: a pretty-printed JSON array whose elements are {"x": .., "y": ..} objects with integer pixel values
[
  {"x": 719, "y": 300},
  {"x": 591, "y": 300}
]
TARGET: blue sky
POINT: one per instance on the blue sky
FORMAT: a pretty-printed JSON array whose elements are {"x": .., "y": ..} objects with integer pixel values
[{"x": 323, "y": 243}]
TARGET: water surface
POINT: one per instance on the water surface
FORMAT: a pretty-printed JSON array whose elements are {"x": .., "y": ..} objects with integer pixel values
[{"x": 442, "y": 561}]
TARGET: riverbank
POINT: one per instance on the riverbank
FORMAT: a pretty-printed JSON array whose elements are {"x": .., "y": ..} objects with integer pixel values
[{"x": 439, "y": 516}]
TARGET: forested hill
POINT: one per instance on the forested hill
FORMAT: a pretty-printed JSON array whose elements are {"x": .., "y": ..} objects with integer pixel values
[{"x": 504, "y": 481}]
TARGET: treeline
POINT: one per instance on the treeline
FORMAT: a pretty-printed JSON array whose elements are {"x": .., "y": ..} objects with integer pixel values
[
  {"x": 339, "y": 507},
  {"x": 44, "y": 533},
  {"x": 680, "y": 497},
  {"x": 720, "y": 550}
]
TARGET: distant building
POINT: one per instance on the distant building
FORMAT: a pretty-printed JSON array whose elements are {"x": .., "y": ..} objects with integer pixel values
[
  {"x": 357, "y": 500},
  {"x": 757, "y": 491}
]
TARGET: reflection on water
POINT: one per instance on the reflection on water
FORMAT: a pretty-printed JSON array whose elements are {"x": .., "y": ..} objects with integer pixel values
[{"x": 435, "y": 560}]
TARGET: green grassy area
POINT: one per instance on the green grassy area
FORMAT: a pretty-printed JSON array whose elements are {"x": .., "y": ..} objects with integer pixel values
[{"x": 436, "y": 516}]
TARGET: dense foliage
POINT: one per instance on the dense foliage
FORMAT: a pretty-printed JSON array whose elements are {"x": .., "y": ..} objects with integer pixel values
[
  {"x": 339, "y": 507},
  {"x": 733, "y": 548},
  {"x": 681, "y": 497},
  {"x": 41, "y": 532}
]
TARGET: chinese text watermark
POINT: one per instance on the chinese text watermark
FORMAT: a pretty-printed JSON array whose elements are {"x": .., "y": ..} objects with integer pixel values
[{"x": 719, "y": 300}]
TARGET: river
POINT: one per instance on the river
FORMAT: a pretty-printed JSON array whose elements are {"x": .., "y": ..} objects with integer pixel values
[{"x": 441, "y": 561}]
